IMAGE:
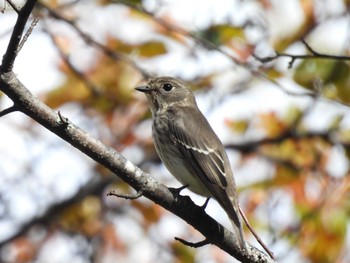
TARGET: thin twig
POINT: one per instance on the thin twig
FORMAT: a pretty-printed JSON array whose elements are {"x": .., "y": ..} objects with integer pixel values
[
  {"x": 27, "y": 34},
  {"x": 199, "y": 40},
  {"x": 308, "y": 47},
  {"x": 268, "y": 251},
  {"x": 14, "y": 7},
  {"x": 11, "y": 109},
  {"x": 62, "y": 120},
  {"x": 314, "y": 55},
  {"x": 191, "y": 244},
  {"x": 126, "y": 196}
]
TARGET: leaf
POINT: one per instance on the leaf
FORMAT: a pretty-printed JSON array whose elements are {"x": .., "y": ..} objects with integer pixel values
[
  {"x": 293, "y": 115},
  {"x": 271, "y": 124},
  {"x": 311, "y": 71},
  {"x": 322, "y": 234},
  {"x": 308, "y": 24},
  {"x": 147, "y": 49},
  {"x": 273, "y": 73},
  {"x": 72, "y": 90},
  {"x": 151, "y": 212},
  {"x": 183, "y": 253},
  {"x": 151, "y": 49},
  {"x": 334, "y": 77},
  {"x": 335, "y": 122},
  {"x": 222, "y": 34},
  {"x": 83, "y": 217},
  {"x": 131, "y": 2},
  {"x": 239, "y": 126}
]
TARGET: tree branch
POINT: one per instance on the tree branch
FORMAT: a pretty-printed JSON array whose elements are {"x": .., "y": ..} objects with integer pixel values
[
  {"x": 8, "y": 110},
  {"x": 251, "y": 229},
  {"x": 125, "y": 196},
  {"x": 191, "y": 244},
  {"x": 251, "y": 146},
  {"x": 313, "y": 55},
  {"x": 14, "y": 7},
  {"x": 27, "y": 34},
  {"x": 12, "y": 48}
]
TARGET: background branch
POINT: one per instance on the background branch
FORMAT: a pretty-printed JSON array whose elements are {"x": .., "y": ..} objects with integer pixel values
[{"x": 314, "y": 55}]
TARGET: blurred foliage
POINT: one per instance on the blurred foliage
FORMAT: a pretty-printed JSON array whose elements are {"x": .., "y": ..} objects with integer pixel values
[
  {"x": 183, "y": 253},
  {"x": 299, "y": 157},
  {"x": 239, "y": 126},
  {"x": 306, "y": 27},
  {"x": 113, "y": 86},
  {"x": 83, "y": 217},
  {"x": 331, "y": 76},
  {"x": 222, "y": 34}
]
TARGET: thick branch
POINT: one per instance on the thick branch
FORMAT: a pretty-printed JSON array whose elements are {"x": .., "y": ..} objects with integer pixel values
[{"x": 183, "y": 207}]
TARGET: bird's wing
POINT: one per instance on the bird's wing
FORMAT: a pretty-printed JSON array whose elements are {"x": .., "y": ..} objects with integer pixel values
[{"x": 200, "y": 145}]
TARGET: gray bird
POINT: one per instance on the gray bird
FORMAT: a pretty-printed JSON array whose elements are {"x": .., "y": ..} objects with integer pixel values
[{"x": 189, "y": 147}]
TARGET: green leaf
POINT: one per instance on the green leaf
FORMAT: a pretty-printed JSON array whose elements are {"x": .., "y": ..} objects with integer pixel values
[
  {"x": 335, "y": 122},
  {"x": 334, "y": 77},
  {"x": 221, "y": 34},
  {"x": 151, "y": 49},
  {"x": 146, "y": 49},
  {"x": 293, "y": 114},
  {"x": 311, "y": 71}
]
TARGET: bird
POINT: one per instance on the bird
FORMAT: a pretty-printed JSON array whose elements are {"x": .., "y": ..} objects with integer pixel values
[{"x": 189, "y": 147}]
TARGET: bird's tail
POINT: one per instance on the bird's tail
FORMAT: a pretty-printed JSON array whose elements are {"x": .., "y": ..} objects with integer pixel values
[
  {"x": 230, "y": 205},
  {"x": 237, "y": 227}
]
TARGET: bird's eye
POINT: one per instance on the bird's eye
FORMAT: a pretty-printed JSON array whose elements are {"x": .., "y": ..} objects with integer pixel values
[{"x": 167, "y": 87}]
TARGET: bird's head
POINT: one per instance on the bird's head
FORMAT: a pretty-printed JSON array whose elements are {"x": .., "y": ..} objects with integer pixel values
[{"x": 165, "y": 92}]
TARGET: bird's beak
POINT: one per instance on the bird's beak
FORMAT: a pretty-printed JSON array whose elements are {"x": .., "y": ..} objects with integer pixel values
[{"x": 143, "y": 89}]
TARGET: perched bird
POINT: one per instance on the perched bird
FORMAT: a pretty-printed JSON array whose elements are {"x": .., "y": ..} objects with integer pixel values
[{"x": 188, "y": 146}]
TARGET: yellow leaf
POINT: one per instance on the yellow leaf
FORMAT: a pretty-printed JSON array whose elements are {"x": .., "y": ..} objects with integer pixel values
[
  {"x": 72, "y": 90},
  {"x": 239, "y": 126},
  {"x": 151, "y": 49},
  {"x": 222, "y": 34},
  {"x": 146, "y": 49},
  {"x": 272, "y": 125},
  {"x": 293, "y": 114},
  {"x": 310, "y": 71}
]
